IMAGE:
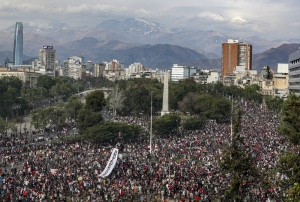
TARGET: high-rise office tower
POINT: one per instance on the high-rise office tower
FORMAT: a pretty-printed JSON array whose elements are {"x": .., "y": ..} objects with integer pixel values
[
  {"x": 48, "y": 58},
  {"x": 235, "y": 54},
  {"x": 18, "y": 44}
]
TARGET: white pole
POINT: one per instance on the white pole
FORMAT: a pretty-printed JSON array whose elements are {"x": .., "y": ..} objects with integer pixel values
[
  {"x": 151, "y": 127},
  {"x": 231, "y": 121}
]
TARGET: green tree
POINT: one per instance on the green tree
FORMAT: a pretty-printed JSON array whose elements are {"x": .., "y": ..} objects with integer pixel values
[
  {"x": 238, "y": 164},
  {"x": 45, "y": 81},
  {"x": 39, "y": 118},
  {"x": 87, "y": 119},
  {"x": 274, "y": 103},
  {"x": 116, "y": 100},
  {"x": 137, "y": 101},
  {"x": 95, "y": 101},
  {"x": 194, "y": 123},
  {"x": 289, "y": 166},
  {"x": 10, "y": 90},
  {"x": 176, "y": 94},
  {"x": 269, "y": 73},
  {"x": 293, "y": 194},
  {"x": 204, "y": 104},
  {"x": 165, "y": 124},
  {"x": 2, "y": 126},
  {"x": 290, "y": 126},
  {"x": 289, "y": 160},
  {"x": 189, "y": 103},
  {"x": 251, "y": 93},
  {"x": 12, "y": 126},
  {"x": 62, "y": 89},
  {"x": 55, "y": 115},
  {"x": 109, "y": 131},
  {"x": 220, "y": 109},
  {"x": 73, "y": 106}
]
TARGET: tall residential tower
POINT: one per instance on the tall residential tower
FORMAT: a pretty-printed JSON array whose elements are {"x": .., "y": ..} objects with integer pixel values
[
  {"x": 18, "y": 44},
  {"x": 235, "y": 53},
  {"x": 47, "y": 57}
]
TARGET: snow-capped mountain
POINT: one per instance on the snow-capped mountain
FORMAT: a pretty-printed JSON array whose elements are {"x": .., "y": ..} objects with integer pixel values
[
  {"x": 133, "y": 27},
  {"x": 122, "y": 38},
  {"x": 148, "y": 32}
]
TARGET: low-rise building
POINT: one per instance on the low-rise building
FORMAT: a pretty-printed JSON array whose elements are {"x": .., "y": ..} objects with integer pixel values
[
  {"x": 182, "y": 72},
  {"x": 204, "y": 77},
  {"x": 266, "y": 87},
  {"x": 114, "y": 70},
  {"x": 27, "y": 76},
  {"x": 281, "y": 81}
]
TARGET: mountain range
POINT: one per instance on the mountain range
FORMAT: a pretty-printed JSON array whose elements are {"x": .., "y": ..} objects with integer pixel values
[{"x": 140, "y": 40}]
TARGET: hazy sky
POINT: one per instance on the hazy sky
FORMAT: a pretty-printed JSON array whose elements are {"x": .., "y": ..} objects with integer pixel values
[{"x": 269, "y": 19}]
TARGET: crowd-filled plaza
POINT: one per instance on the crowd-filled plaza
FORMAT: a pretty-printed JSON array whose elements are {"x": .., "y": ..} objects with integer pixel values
[{"x": 183, "y": 166}]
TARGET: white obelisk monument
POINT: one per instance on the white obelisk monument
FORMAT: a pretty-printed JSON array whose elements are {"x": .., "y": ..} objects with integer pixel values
[{"x": 165, "y": 105}]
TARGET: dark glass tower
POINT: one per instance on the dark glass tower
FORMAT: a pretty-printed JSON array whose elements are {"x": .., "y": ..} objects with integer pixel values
[{"x": 18, "y": 44}]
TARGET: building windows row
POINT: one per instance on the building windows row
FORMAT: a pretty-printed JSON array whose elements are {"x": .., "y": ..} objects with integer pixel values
[
  {"x": 294, "y": 76},
  {"x": 295, "y": 69},
  {"x": 294, "y": 84},
  {"x": 295, "y": 62}
]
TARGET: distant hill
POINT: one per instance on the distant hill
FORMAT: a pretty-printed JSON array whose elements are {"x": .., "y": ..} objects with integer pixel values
[
  {"x": 149, "y": 32},
  {"x": 274, "y": 56},
  {"x": 140, "y": 40},
  {"x": 156, "y": 56},
  {"x": 92, "y": 49}
]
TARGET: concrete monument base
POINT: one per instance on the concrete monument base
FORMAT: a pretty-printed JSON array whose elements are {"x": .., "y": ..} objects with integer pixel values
[{"x": 164, "y": 113}]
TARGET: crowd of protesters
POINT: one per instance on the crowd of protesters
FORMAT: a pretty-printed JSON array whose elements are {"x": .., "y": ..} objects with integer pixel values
[{"x": 181, "y": 168}]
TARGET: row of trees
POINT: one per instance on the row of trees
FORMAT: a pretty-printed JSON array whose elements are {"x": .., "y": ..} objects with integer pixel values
[
  {"x": 17, "y": 97},
  {"x": 92, "y": 126},
  {"x": 54, "y": 116},
  {"x": 6, "y": 126},
  {"x": 289, "y": 157},
  {"x": 90, "y": 122},
  {"x": 11, "y": 102},
  {"x": 185, "y": 96}
]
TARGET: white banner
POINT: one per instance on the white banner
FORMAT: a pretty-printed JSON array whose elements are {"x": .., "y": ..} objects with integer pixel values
[{"x": 110, "y": 164}]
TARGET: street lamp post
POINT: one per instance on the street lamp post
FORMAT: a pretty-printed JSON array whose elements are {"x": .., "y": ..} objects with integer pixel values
[
  {"x": 150, "y": 146},
  {"x": 21, "y": 126},
  {"x": 6, "y": 126}
]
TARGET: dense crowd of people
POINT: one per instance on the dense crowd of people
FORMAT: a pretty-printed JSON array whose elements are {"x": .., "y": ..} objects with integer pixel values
[{"x": 180, "y": 168}]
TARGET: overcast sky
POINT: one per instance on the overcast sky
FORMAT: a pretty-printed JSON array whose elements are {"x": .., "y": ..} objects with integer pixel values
[{"x": 269, "y": 19}]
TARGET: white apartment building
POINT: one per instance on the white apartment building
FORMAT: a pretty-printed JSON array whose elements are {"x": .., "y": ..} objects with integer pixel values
[
  {"x": 47, "y": 63},
  {"x": 181, "y": 72},
  {"x": 73, "y": 67},
  {"x": 134, "y": 70},
  {"x": 47, "y": 57}
]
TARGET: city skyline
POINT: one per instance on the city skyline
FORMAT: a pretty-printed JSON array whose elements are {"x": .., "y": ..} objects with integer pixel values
[{"x": 266, "y": 18}]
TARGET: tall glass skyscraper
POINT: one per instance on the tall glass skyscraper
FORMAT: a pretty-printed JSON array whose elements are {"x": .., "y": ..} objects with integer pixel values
[{"x": 18, "y": 44}]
